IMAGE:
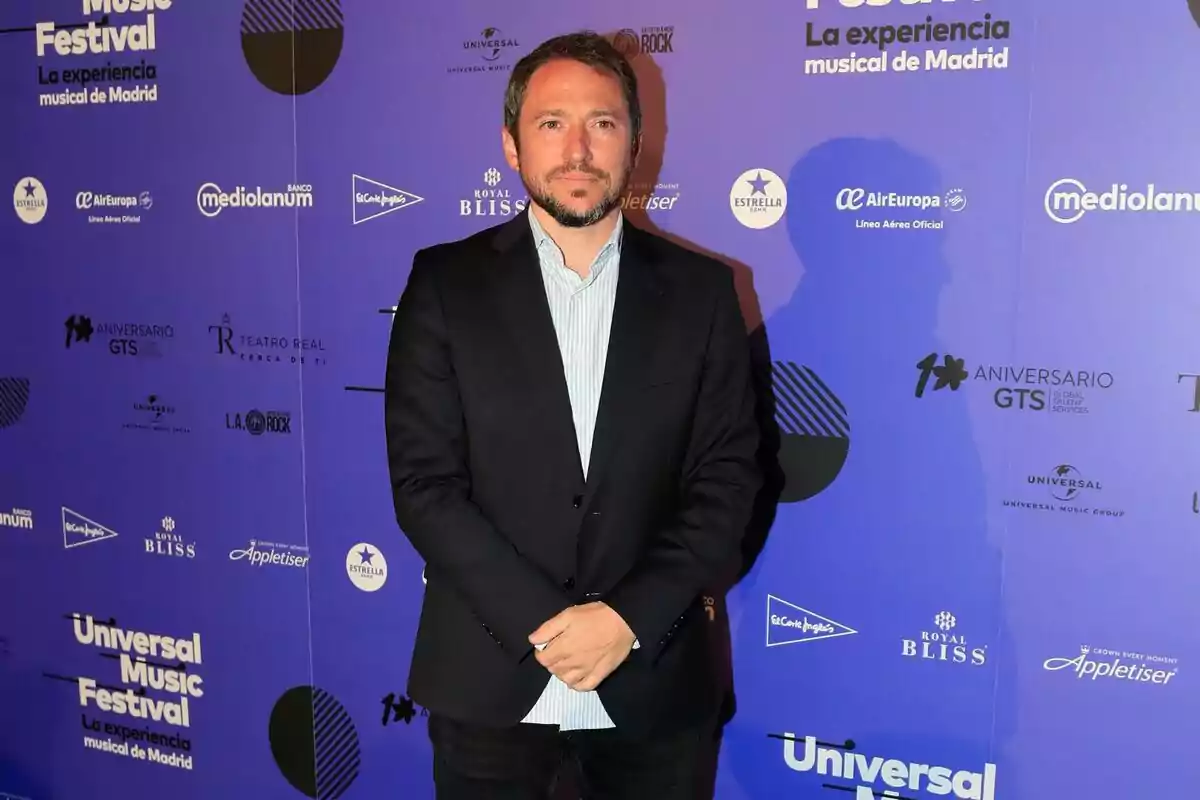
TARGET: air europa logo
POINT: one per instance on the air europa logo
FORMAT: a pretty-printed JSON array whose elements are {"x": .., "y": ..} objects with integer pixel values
[{"x": 1068, "y": 200}]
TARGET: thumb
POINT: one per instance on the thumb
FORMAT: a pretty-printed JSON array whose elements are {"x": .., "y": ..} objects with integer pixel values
[{"x": 548, "y": 630}]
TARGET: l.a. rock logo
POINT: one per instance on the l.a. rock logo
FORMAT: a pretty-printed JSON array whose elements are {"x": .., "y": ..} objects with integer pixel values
[
  {"x": 292, "y": 46},
  {"x": 906, "y": 779}
]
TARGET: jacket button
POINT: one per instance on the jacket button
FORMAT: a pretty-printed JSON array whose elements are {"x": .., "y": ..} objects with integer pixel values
[
  {"x": 577, "y": 500},
  {"x": 569, "y": 584}
]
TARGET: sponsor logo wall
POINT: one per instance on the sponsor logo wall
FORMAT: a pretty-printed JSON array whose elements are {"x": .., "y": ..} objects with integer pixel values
[{"x": 962, "y": 245}]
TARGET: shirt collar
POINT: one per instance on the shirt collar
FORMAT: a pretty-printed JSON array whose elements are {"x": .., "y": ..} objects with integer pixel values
[{"x": 612, "y": 246}]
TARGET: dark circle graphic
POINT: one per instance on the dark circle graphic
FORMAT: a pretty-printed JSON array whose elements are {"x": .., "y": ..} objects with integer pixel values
[
  {"x": 292, "y": 46},
  {"x": 814, "y": 431},
  {"x": 256, "y": 422},
  {"x": 314, "y": 742},
  {"x": 626, "y": 41},
  {"x": 14, "y": 397}
]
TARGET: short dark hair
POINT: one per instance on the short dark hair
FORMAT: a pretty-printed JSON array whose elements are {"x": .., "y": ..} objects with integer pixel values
[{"x": 586, "y": 47}]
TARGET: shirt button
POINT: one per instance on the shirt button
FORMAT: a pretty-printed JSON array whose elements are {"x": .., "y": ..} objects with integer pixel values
[
  {"x": 577, "y": 500},
  {"x": 569, "y": 584}
]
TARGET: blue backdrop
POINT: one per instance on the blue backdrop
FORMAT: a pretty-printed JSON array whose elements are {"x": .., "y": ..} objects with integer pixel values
[{"x": 963, "y": 234}]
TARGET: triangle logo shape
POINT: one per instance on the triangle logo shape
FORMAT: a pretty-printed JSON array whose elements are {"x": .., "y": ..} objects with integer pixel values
[
  {"x": 788, "y": 623},
  {"x": 371, "y": 199},
  {"x": 78, "y": 530}
]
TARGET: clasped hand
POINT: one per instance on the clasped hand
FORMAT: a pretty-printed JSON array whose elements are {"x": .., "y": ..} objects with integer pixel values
[{"x": 584, "y": 644}]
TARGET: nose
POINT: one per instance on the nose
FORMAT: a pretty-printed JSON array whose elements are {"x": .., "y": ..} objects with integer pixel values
[{"x": 577, "y": 145}]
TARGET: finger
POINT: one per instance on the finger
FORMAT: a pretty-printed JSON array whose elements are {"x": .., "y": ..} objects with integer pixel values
[
  {"x": 586, "y": 684},
  {"x": 568, "y": 666},
  {"x": 549, "y": 629},
  {"x": 573, "y": 676},
  {"x": 554, "y": 660}
]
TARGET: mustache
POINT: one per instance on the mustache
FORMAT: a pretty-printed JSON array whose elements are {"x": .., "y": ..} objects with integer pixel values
[{"x": 586, "y": 169}]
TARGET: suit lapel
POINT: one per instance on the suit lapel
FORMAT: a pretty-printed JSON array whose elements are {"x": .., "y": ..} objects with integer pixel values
[
  {"x": 636, "y": 325},
  {"x": 521, "y": 299}
]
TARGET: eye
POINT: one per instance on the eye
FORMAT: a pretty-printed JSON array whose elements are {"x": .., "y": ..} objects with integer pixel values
[
  {"x": 607, "y": 123},
  {"x": 550, "y": 122}
]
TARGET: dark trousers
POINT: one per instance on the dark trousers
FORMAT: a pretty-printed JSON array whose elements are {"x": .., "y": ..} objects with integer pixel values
[{"x": 521, "y": 763}]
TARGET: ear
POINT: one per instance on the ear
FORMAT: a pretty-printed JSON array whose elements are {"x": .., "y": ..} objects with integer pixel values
[
  {"x": 510, "y": 150},
  {"x": 637, "y": 148}
]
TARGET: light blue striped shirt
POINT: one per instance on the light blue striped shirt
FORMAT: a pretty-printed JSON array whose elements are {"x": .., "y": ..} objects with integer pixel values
[{"x": 582, "y": 310}]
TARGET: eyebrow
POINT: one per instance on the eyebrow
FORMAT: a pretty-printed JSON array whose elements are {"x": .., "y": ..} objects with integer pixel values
[{"x": 558, "y": 112}]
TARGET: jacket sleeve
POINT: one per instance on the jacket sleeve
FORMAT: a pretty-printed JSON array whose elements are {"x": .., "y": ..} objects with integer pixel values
[
  {"x": 431, "y": 485},
  {"x": 720, "y": 481}
]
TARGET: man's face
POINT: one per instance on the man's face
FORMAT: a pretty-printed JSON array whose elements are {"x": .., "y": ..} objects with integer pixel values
[{"x": 575, "y": 154}]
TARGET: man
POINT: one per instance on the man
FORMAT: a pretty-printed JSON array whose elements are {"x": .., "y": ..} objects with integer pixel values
[{"x": 571, "y": 440}]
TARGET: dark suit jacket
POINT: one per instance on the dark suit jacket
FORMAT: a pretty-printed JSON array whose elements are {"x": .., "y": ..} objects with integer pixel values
[{"x": 488, "y": 486}]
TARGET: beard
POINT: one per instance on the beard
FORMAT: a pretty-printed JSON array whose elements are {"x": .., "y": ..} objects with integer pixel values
[{"x": 539, "y": 193}]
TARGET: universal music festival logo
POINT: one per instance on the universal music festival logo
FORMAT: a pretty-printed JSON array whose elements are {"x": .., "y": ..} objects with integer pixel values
[
  {"x": 157, "y": 684},
  {"x": 872, "y": 47},
  {"x": 114, "y": 34},
  {"x": 905, "y": 779}
]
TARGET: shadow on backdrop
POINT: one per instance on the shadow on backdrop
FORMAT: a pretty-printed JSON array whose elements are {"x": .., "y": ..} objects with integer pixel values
[
  {"x": 652, "y": 92},
  {"x": 901, "y": 536}
]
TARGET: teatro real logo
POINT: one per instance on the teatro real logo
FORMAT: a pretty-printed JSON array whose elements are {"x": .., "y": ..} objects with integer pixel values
[
  {"x": 371, "y": 199},
  {"x": 791, "y": 624}
]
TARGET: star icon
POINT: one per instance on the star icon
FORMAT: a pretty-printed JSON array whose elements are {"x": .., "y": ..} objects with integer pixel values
[
  {"x": 29, "y": 189},
  {"x": 950, "y": 373},
  {"x": 366, "y": 555},
  {"x": 759, "y": 184}
]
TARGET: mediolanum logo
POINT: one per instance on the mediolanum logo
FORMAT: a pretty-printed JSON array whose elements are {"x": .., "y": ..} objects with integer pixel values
[
  {"x": 1068, "y": 200},
  {"x": 211, "y": 199}
]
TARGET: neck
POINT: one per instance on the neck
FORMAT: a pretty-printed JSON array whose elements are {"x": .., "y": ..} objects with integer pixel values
[{"x": 579, "y": 245}]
